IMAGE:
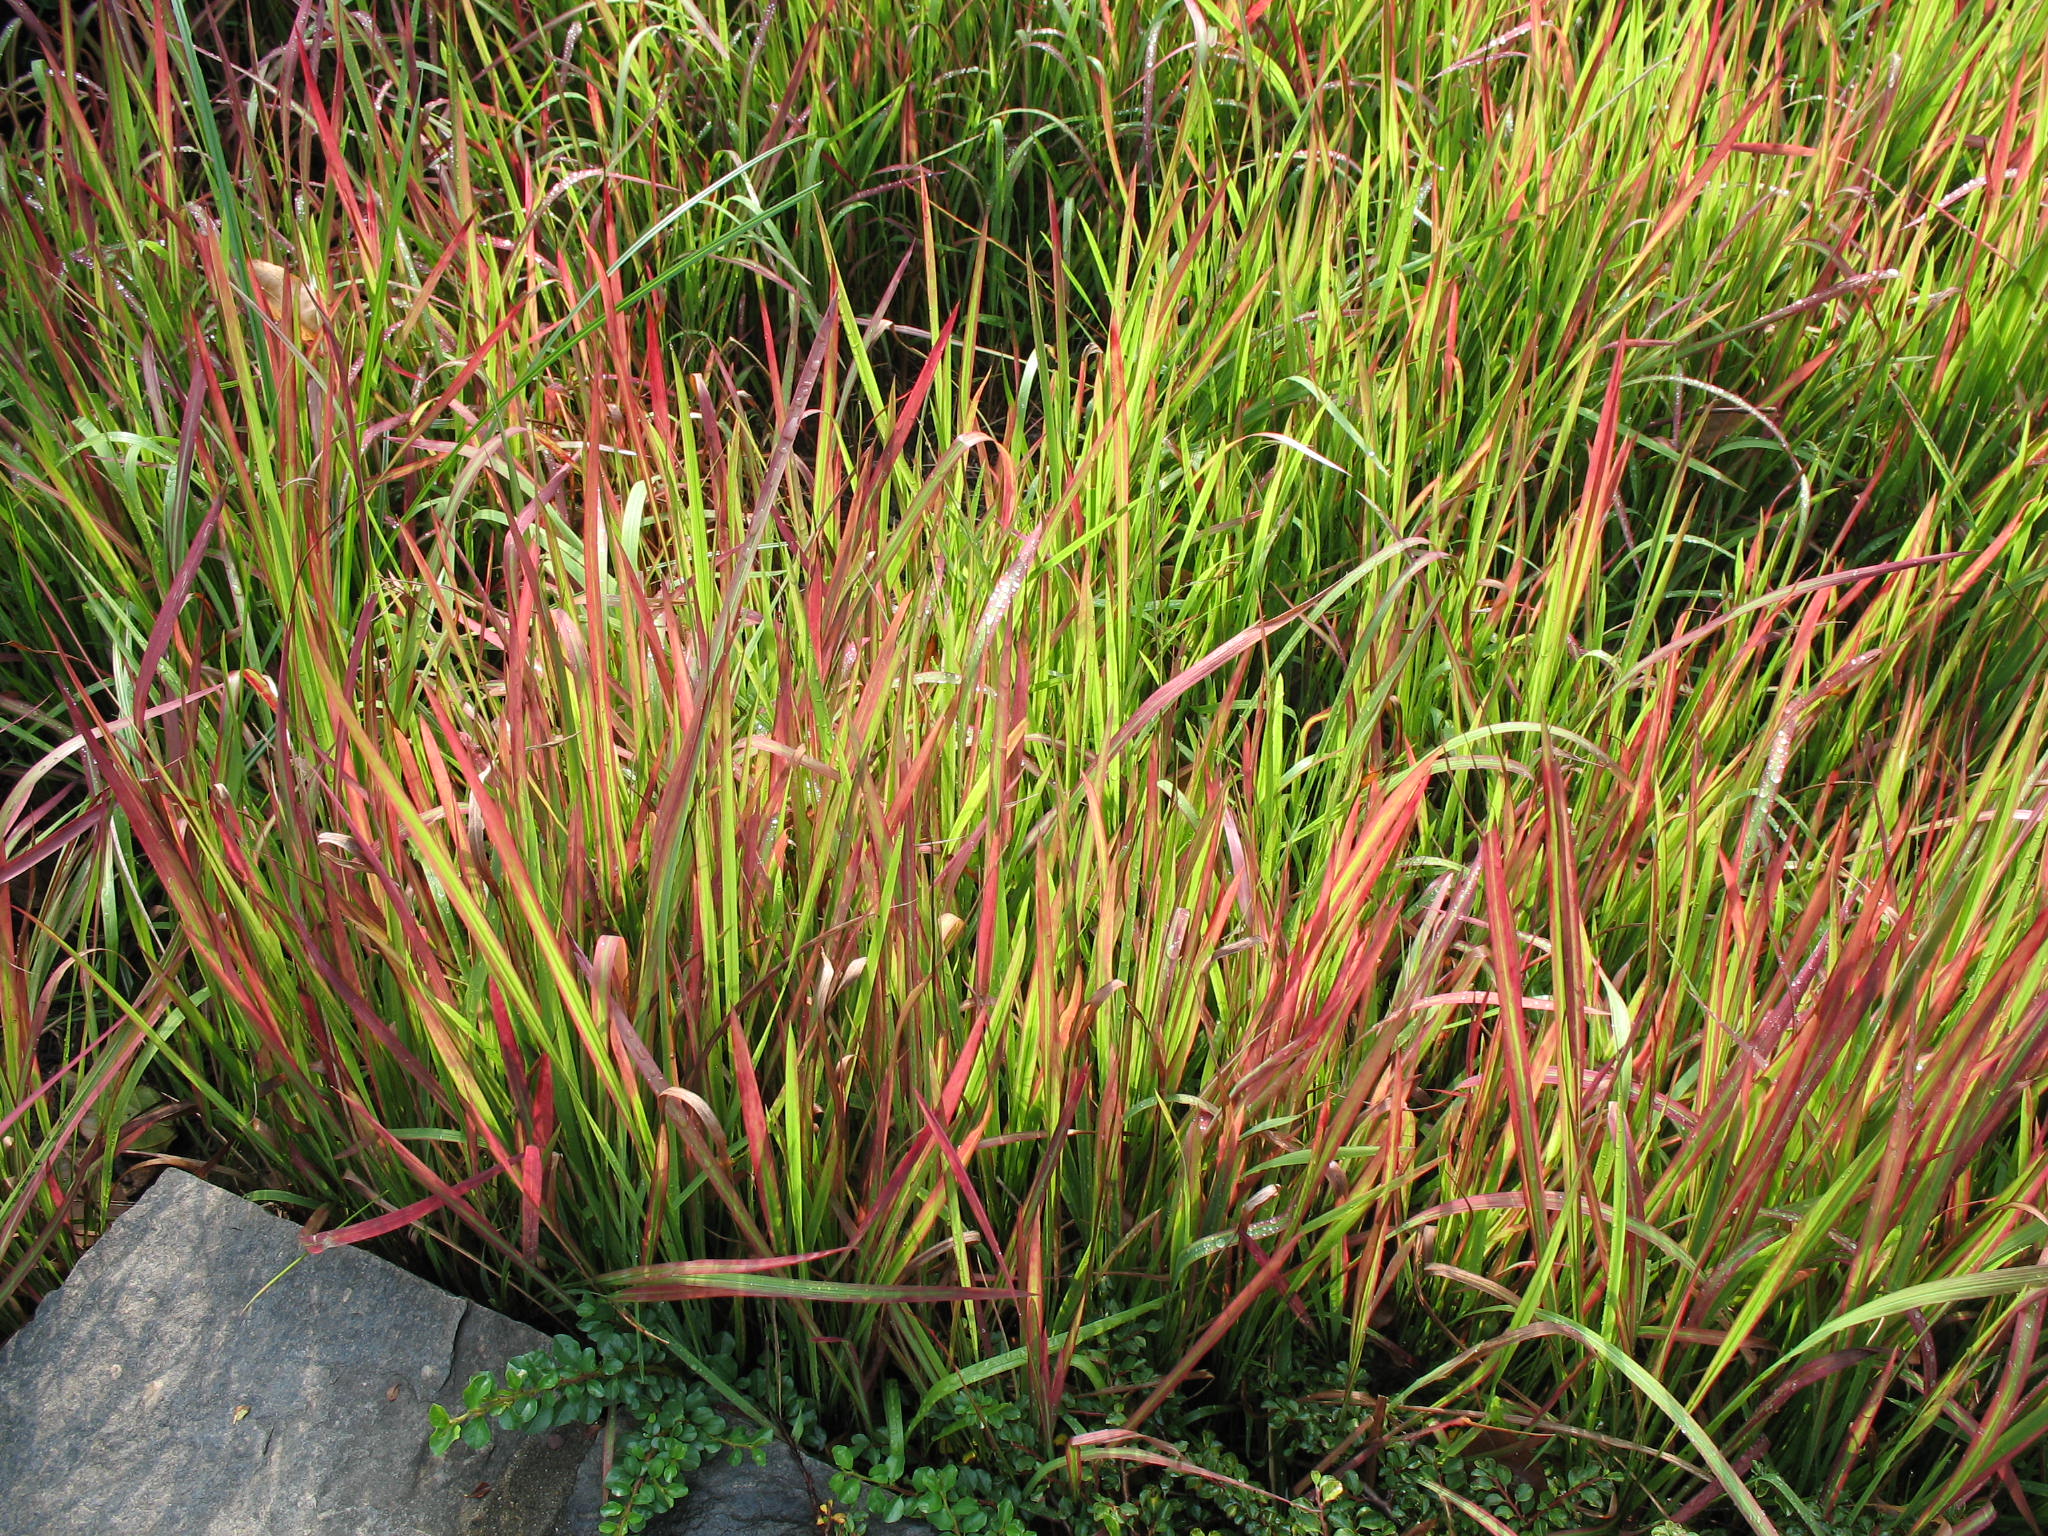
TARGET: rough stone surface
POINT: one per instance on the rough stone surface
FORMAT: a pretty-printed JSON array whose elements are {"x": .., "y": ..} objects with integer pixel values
[
  {"x": 199, "y": 1376},
  {"x": 746, "y": 1500},
  {"x": 773, "y": 1499}
]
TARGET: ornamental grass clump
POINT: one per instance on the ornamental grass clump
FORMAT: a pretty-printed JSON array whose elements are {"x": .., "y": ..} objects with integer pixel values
[{"x": 1057, "y": 725}]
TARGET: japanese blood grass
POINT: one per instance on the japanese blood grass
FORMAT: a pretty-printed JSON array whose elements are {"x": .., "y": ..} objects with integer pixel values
[
  {"x": 1368, "y": 680},
  {"x": 71, "y": 1060}
]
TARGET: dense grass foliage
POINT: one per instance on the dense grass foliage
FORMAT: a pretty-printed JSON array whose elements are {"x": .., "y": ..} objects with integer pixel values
[{"x": 1115, "y": 704}]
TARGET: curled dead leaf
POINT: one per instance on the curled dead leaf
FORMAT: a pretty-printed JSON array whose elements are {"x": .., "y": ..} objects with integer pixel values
[{"x": 284, "y": 293}]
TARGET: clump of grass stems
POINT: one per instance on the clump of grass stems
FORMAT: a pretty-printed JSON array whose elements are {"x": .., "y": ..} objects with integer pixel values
[{"x": 1362, "y": 681}]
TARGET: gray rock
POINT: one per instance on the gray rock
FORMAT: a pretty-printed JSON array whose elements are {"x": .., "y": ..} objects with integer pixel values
[
  {"x": 199, "y": 1375},
  {"x": 779, "y": 1498},
  {"x": 579, "y": 1513}
]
